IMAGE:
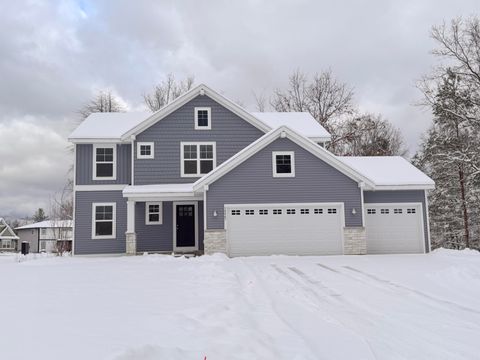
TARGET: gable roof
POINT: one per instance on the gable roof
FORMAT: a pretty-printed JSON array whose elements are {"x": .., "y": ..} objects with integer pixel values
[
  {"x": 48, "y": 224},
  {"x": 390, "y": 172},
  {"x": 6, "y": 231},
  {"x": 281, "y": 132},
  {"x": 302, "y": 122}
]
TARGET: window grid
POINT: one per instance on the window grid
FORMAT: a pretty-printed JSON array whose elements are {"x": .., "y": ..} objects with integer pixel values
[
  {"x": 198, "y": 159},
  {"x": 332, "y": 211},
  {"x": 263, "y": 212},
  {"x": 397, "y": 211},
  {"x": 277, "y": 211},
  {"x": 411, "y": 211},
  {"x": 304, "y": 211},
  {"x": 384, "y": 211},
  {"x": 318, "y": 211},
  {"x": 371, "y": 211},
  {"x": 235, "y": 212},
  {"x": 104, "y": 163},
  {"x": 249, "y": 212}
]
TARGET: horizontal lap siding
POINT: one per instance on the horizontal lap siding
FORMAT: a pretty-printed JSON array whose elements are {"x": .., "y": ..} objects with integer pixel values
[
  {"x": 84, "y": 165},
  {"x": 230, "y": 132},
  {"x": 400, "y": 196},
  {"x": 83, "y": 242},
  {"x": 252, "y": 182}
]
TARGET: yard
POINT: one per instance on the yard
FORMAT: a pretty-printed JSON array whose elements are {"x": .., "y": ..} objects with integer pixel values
[{"x": 160, "y": 307}]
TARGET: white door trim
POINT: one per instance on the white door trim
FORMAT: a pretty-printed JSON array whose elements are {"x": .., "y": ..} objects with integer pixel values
[{"x": 174, "y": 210}]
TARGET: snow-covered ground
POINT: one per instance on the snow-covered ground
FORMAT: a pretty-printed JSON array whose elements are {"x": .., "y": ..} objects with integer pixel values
[{"x": 160, "y": 307}]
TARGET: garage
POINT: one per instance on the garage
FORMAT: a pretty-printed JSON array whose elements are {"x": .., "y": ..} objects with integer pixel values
[
  {"x": 289, "y": 229},
  {"x": 394, "y": 228}
]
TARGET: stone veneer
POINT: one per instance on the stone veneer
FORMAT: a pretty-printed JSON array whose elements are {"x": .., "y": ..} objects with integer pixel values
[
  {"x": 354, "y": 241},
  {"x": 131, "y": 246},
  {"x": 215, "y": 241}
]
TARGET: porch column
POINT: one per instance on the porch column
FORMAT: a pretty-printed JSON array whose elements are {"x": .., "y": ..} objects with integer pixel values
[{"x": 131, "y": 236}]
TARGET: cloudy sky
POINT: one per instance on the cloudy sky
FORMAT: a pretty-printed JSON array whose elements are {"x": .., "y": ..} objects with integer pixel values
[{"x": 56, "y": 54}]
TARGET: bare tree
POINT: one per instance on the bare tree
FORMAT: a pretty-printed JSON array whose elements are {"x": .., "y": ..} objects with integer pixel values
[
  {"x": 103, "y": 101},
  {"x": 61, "y": 212},
  {"x": 260, "y": 101},
  {"x": 167, "y": 91}
]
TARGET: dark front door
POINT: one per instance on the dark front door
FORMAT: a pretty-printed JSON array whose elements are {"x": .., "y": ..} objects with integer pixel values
[{"x": 185, "y": 225}]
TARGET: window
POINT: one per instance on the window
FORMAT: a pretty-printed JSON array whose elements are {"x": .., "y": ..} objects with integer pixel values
[
  {"x": 371, "y": 211},
  {"x": 249, "y": 212},
  {"x": 145, "y": 150},
  {"x": 397, "y": 211},
  {"x": 153, "y": 213},
  {"x": 263, "y": 212},
  {"x": 203, "y": 118},
  {"x": 103, "y": 220},
  {"x": 290, "y": 211},
  {"x": 235, "y": 212},
  {"x": 318, "y": 211},
  {"x": 104, "y": 158},
  {"x": 197, "y": 158},
  {"x": 283, "y": 163},
  {"x": 384, "y": 211},
  {"x": 277, "y": 211},
  {"x": 43, "y": 231},
  {"x": 304, "y": 211},
  {"x": 332, "y": 211},
  {"x": 6, "y": 244},
  {"x": 411, "y": 211}
]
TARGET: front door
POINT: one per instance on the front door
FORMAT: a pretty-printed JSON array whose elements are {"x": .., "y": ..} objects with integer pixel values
[{"x": 185, "y": 225}]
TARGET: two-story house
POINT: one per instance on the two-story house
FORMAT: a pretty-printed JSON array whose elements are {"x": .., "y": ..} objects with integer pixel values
[{"x": 203, "y": 174}]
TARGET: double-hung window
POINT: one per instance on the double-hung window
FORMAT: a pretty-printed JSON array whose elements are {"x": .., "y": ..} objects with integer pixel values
[
  {"x": 203, "y": 119},
  {"x": 6, "y": 244},
  {"x": 103, "y": 220},
  {"x": 153, "y": 213},
  {"x": 197, "y": 159},
  {"x": 145, "y": 150},
  {"x": 104, "y": 162},
  {"x": 283, "y": 163}
]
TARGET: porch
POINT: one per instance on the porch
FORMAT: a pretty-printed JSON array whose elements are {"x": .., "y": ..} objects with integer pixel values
[{"x": 164, "y": 218}]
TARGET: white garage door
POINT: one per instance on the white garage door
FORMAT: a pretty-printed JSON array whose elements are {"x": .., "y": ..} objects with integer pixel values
[
  {"x": 394, "y": 228},
  {"x": 290, "y": 229}
]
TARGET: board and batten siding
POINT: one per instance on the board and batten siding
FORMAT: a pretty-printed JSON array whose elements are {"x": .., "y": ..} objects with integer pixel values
[
  {"x": 230, "y": 132},
  {"x": 399, "y": 196},
  {"x": 83, "y": 242},
  {"x": 152, "y": 238},
  {"x": 84, "y": 165},
  {"x": 252, "y": 182}
]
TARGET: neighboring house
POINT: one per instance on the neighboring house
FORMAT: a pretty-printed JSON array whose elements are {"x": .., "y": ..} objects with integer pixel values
[
  {"x": 8, "y": 239},
  {"x": 204, "y": 175},
  {"x": 47, "y": 236}
]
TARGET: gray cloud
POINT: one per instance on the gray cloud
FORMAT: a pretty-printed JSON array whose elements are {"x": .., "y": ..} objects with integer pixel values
[{"x": 56, "y": 54}]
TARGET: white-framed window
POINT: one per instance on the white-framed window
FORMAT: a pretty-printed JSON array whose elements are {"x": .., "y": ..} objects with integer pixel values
[
  {"x": 104, "y": 162},
  {"x": 197, "y": 158},
  {"x": 203, "y": 118},
  {"x": 145, "y": 150},
  {"x": 43, "y": 231},
  {"x": 6, "y": 244},
  {"x": 283, "y": 163},
  {"x": 153, "y": 213},
  {"x": 103, "y": 220}
]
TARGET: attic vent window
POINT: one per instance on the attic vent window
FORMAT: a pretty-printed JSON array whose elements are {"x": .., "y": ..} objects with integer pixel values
[
  {"x": 283, "y": 163},
  {"x": 203, "y": 118},
  {"x": 145, "y": 150}
]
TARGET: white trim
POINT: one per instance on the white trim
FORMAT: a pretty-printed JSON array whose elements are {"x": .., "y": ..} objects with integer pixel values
[
  {"x": 114, "y": 162},
  {"x": 261, "y": 143},
  {"x": 201, "y": 89},
  {"x": 209, "y": 111},
  {"x": 174, "y": 206},
  {"x": 130, "y": 217},
  {"x": 428, "y": 222},
  {"x": 74, "y": 195},
  {"x": 205, "y": 227},
  {"x": 110, "y": 187},
  {"x": 152, "y": 150},
  {"x": 320, "y": 139},
  {"x": 405, "y": 187},
  {"x": 197, "y": 143},
  {"x": 292, "y": 164},
  {"x": 114, "y": 220},
  {"x": 97, "y": 141},
  {"x": 160, "y": 213},
  {"x": 362, "y": 203}
]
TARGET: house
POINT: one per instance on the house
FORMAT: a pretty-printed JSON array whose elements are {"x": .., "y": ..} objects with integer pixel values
[
  {"x": 47, "y": 236},
  {"x": 8, "y": 238},
  {"x": 203, "y": 174}
]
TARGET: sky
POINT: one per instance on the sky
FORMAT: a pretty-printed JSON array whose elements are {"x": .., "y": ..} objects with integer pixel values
[{"x": 56, "y": 54}]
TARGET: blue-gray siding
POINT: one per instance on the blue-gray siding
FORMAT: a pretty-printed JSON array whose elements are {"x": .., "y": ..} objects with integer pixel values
[
  {"x": 84, "y": 165},
  {"x": 400, "y": 196},
  {"x": 252, "y": 182},
  {"x": 83, "y": 242},
  {"x": 230, "y": 132}
]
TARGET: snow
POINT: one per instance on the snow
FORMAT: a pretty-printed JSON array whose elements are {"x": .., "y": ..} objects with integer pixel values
[
  {"x": 108, "y": 125},
  {"x": 158, "y": 188},
  {"x": 388, "y": 170},
  {"x": 278, "y": 307},
  {"x": 47, "y": 224},
  {"x": 301, "y": 122}
]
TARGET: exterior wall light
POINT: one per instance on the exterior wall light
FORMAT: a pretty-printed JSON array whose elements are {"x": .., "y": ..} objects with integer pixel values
[{"x": 354, "y": 211}]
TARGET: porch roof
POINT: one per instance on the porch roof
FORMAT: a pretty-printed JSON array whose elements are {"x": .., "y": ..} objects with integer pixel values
[{"x": 161, "y": 191}]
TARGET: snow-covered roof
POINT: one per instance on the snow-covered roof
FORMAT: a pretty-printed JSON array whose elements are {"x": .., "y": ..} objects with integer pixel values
[
  {"x": 389, "y": 171},
  {"x": 108, "y": 126},
  {"x": 48, "y": 224},
  {"x": 301, "y": 122}
]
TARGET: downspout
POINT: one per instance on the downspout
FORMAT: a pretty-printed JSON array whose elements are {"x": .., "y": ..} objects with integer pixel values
[{"x": 132, "y": 177}]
